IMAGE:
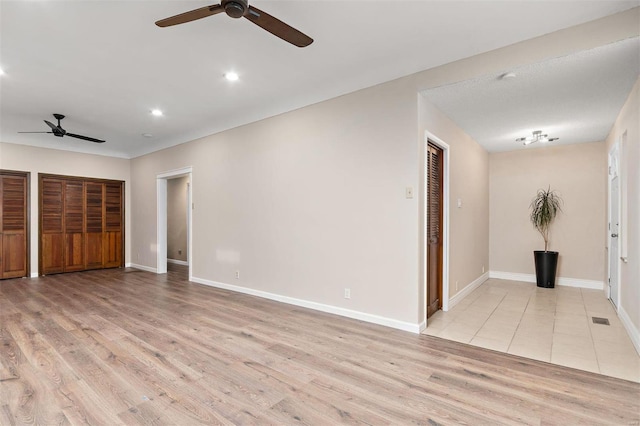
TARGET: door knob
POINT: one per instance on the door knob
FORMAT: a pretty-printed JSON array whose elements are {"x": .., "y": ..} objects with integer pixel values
[{"x": 614, "y": 235}]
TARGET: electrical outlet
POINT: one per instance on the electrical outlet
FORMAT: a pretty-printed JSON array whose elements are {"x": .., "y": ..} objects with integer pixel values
[
  {"x": 180, "y": 252},
  {"x": 456, "y": 286},
  {"x": 347, "y": 293},
  {"x": 483, "y": 269},
  {"x": 237, "y": 275}
]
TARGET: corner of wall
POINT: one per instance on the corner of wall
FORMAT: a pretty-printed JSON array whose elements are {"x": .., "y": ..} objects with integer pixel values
[{"x": 467, "y": 290}]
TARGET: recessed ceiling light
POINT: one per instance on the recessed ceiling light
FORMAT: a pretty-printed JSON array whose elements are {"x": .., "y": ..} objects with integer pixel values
[
  {"x": 232, "y": 76},
  {"x": 156, "y": 112},
  {"x": 508, "y": 76},
  {"x": 147, "y": 135}
]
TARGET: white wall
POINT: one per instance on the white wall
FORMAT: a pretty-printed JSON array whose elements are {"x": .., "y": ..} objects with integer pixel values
[{"x": 42, "y": 160}]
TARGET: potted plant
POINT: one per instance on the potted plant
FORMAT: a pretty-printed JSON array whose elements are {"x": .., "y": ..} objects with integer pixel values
[{"x": 544, "y": 208}]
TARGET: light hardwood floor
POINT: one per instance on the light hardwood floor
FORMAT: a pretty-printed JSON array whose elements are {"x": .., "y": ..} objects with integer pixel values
[{"x": 130, "y": 347}]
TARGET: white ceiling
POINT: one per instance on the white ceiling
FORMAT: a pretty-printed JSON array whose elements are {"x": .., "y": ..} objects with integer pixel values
[
  {"x": 105, "y": 64},
  {"x": 575, "y": 98}
]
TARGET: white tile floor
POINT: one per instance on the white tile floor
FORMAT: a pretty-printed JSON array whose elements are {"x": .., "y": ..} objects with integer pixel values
[{"x": 552, "y": 325}]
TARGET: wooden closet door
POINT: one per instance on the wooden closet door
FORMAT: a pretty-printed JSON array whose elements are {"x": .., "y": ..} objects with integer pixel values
[
  {"x": 51, "y": 226},
  {"x": 434, "y": 184},
  {"x": 94, "y": 199},
  {"x": 74, "y": 225},
  {"x": 113, "y": 225},
  {"x": 13, "y": 226},
  {"x": 81, "y": 224}
]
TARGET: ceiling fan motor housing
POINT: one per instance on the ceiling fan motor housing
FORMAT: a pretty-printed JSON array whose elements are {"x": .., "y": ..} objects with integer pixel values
[
  {"x": 235, "y": 8},
  {"x": 59, "y": 132}
]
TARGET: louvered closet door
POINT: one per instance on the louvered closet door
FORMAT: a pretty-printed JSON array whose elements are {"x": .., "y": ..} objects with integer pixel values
[
  {"x": 94, "y": 225},
  {"x": 113, "y": 225},
  {"x": 81, "y": 224},
  {"x": 74, "y": 225},
  {"x": 434, "y": 177},
  {"x": 51, "y": 226},
  {"x": 13, "y": 226}
]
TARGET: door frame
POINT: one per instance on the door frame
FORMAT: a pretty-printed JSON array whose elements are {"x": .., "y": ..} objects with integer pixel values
[
  {"x": 430, "y": 137},
  {"x": 613, "y": 171},
  {"x": 161, "y": 243}
]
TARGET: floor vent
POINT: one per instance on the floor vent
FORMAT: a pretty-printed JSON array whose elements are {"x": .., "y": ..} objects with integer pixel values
[{"x": 598, "y": 320}]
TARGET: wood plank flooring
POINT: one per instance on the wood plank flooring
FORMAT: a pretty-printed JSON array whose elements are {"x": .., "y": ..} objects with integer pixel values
[{"x": 123, "y": 346}]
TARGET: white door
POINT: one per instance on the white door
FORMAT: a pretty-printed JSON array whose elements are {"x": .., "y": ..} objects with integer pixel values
[{"x": 614, "y": 245}]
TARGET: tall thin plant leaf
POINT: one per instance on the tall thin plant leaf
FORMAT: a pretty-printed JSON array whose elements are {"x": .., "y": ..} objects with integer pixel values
[{"x": 544, "y": 208}]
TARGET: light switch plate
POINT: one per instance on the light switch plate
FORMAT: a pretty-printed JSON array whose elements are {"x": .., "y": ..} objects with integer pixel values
[{"x": 408, "y": 192}]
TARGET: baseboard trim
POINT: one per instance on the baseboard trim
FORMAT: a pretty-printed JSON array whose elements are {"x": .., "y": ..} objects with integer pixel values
[
  {"x": 362, "y": 316},
  {"x": 563, "y": 281},
  {"x": 633, "y": 332},
  {"x": 142, "y": 267},
  {"x": 178, "y": 262},
  {"x": 578, "y": 282},
  {"x": 453, "y": 301}
]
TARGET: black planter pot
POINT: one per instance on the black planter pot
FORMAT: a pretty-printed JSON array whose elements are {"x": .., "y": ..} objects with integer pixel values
[{"x": 546, "y": 265}]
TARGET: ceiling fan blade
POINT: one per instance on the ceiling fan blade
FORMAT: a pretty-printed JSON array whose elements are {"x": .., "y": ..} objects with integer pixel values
[
  {"x": 53, "y": 126},
  {"x": 86, "y": 138},
  {"x": 35, "y": 132},
  {"x": 277, "y": 27},
  {"x": 192, "y": 15}
]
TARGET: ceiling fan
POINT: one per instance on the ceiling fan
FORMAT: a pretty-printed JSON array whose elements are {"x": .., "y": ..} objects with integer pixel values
[
  {"x": 239, "y": 9},
  {"x": 60, "y": 132}
]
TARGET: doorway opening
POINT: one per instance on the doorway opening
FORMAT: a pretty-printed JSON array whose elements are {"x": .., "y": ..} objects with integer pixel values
[
  {"x": 436, "y": 225},
  {"x": 166, "y": 215},
  {"x": 177, "y": 225}
]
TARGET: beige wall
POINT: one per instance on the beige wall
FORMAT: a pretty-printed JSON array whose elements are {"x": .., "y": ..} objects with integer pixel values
[
  {"x": 578, "y": 173},
  {"x": 469, "y": 183},
  {"x": 311, "y": 202},
  {"x": 629, "y": 121},
  {"x": 177, "y": 194},
  {"x": 42, "y": 160},
  {"x": 304, "y": 205}
]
